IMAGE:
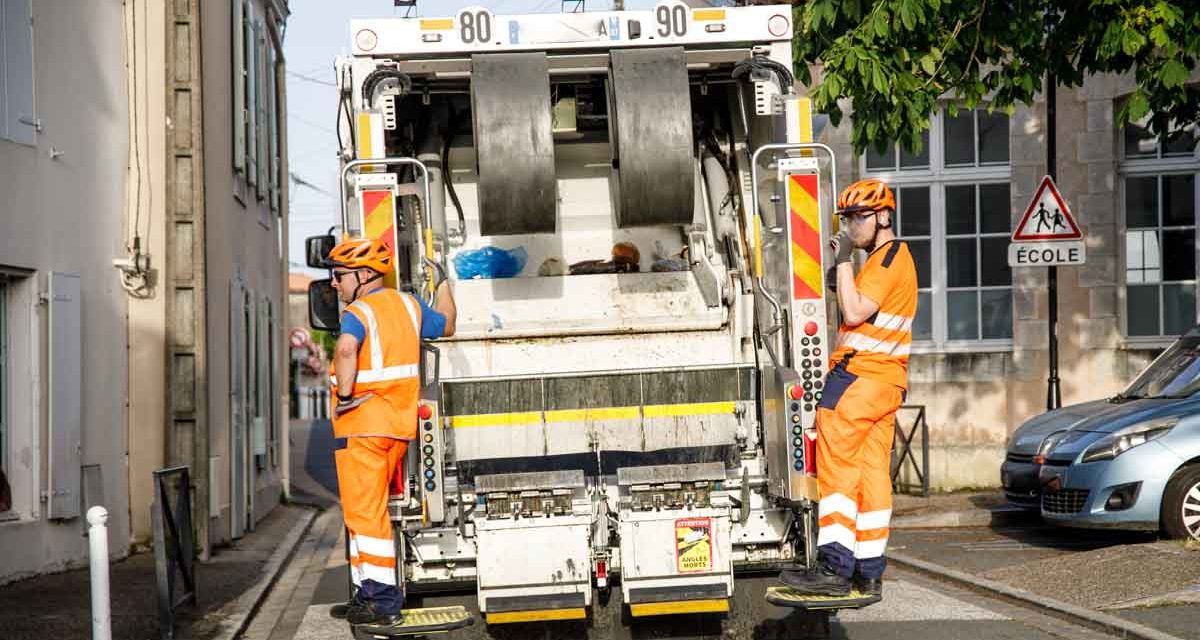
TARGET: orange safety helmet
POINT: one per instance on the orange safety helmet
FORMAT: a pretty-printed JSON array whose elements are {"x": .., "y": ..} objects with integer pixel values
[
  {"x": 866, "y": 195},
  {"x": 362, "y": 253}
]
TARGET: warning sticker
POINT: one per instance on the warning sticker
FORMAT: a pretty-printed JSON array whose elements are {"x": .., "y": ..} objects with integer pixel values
[{"x": 693, "y": 545}]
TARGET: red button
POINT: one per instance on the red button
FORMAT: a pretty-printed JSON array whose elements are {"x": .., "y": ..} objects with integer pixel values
[
  {"x": 424, "y": 412},
  {"x": 796, "y": 392},
  {"x": 810, "y": 328}
]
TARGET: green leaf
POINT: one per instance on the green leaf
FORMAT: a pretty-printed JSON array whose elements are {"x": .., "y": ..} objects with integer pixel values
[
  {"x": 878, "y": 79},
  {"x": 1131, "y": 42},
  {"x": 928, "y": 65},
  {"x": 906, "y": 16},
  {"x": 1173, "y": 74},
  {"x": 1158, "y": 35},
  {"x": 1137, "y": 107}
]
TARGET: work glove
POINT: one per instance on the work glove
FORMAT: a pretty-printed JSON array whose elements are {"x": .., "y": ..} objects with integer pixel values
[
  {"x": 843, "y": 247},
  {"x": 344, "y": 406}
]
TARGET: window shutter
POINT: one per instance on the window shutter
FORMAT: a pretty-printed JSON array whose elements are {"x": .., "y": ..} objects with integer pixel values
[
  {"x": 16, "y": 90},
  {"x": 273, "y": 120},
  {"x": 239, "y": 86},
  {"x": 66, "y": 387},
  {"x": 251, "y": 94},
  {"x": 260, "y": 89}
]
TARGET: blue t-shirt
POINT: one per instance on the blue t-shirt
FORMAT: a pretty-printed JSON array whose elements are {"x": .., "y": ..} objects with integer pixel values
[{"x": 433, "y": 324}]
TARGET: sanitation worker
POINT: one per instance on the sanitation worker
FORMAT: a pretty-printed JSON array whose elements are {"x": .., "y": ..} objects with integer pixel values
[
  {"x": 867, "y": 382},
  {"x": 376, "y": 385}
]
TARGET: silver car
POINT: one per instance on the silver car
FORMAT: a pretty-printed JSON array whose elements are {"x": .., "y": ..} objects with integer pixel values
[{"x": 1128, "y": 462}]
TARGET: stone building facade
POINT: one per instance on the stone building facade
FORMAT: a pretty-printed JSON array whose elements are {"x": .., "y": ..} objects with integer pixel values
[{"x": 981, "y": 355}]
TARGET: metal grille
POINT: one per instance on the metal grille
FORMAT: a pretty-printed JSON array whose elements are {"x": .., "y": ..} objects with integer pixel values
[
  {"x": 1065, "y": 502},
  {"x": 1019, "y": 458}
]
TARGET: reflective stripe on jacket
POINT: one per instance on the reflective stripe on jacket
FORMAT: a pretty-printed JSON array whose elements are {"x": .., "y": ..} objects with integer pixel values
[{"x": 388, "y": 369}]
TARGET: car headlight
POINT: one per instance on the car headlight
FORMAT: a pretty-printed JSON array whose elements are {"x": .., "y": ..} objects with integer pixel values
[
  {"x": 1050, "y": 442},
  {"x": 1115, "y": 444}
]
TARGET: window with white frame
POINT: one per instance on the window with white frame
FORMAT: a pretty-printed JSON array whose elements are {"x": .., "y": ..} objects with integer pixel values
[
  {"x": 1160, "y": 195},
  {"x": 954, "y": 211}
]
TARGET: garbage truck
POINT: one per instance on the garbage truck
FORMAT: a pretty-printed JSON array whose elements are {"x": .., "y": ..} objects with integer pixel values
[{"x": 633, "y": 213}]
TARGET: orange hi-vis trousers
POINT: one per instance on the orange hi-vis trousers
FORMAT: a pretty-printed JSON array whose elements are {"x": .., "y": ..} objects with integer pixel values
[
  {"x": 365, "y": 469},
  {"x": 855, "y": 426}
]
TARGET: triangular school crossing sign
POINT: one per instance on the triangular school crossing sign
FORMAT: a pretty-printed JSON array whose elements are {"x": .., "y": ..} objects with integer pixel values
[{"x": 1047, "y": 218}]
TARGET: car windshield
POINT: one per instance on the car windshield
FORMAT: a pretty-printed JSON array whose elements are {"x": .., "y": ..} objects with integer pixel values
[{"x": 1174, "y": 374}]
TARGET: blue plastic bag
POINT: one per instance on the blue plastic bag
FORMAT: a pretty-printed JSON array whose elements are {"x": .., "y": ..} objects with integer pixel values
[{"x": 490, "y": 262}]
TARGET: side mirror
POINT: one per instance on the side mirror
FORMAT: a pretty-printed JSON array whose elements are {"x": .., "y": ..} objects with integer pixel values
[
  {"x": 316, "y": 250},
  {"x": 323, "y": 306}
]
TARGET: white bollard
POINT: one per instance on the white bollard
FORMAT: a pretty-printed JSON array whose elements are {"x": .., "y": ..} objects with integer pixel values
[{"x": 97, "y": 518}]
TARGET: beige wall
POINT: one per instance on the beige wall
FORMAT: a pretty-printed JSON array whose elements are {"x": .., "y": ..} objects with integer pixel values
[
  {"x": 64, "y": 214},
  {"x": 147, "y": 316},
  {"x": 236, "y": 241}
]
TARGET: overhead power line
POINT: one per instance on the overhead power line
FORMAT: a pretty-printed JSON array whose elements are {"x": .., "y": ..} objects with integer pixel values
[{"x": 300, "y": 76}]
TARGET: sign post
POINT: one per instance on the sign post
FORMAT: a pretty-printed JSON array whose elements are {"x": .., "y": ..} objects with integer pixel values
[{"x": 1048, "y": 236}]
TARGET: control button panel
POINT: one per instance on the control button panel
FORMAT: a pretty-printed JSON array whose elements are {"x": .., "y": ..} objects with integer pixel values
[{"x": 430, "y": 441}]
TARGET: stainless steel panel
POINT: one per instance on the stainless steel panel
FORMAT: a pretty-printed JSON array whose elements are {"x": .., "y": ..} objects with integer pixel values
[
  {"x": 514, "y": 143},
  {"x": 572, "y": 479},
  {"x": 712, "y": 471},
  {"x": 650, "y": 120}
]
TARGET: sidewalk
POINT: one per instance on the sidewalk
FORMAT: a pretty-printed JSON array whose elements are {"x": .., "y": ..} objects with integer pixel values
[
  {"x": 228, "y": 588},
  {"x": 1114, "y": 577},
  {"x": 959, "y": 509}
]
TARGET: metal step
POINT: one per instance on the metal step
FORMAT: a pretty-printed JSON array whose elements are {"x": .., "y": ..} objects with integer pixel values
[
  {"x": 417, "y": 622},
  {"x": 788, "y": 597}
]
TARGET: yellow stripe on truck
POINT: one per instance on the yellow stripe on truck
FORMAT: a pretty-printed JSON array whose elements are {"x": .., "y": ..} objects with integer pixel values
[
  {"x": 441, "y": 24},
  {"x": 584, "y": 415},
  {"x": 496, "y": 420},
  {"x": 542, "y": 615},
  {"x": 597, "y": 414},
  {"x": 678, "y": 607},
  {"x": 695, "y": 409},
  {"x": 708, "y": 15}
]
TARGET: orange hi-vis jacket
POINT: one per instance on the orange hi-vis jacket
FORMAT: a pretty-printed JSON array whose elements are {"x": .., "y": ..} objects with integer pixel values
[
  {"x": 387, "y": 368},
  {"x": 881, "y": 345}
]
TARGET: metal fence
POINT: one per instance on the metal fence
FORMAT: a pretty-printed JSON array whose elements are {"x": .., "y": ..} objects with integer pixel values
[
  {"x": 910, "y": 422},
  {"x": 174, "y": 552}
]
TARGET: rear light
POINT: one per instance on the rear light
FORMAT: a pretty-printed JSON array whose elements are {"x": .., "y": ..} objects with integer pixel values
[
  {"x": 778, "y": 25},
  {"x": 601, "y": 569},
  {"x": 366, "y": 40}
]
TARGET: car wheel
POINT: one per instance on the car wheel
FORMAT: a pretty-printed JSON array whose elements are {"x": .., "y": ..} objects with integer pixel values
[{"x": 1181, "y": 504}]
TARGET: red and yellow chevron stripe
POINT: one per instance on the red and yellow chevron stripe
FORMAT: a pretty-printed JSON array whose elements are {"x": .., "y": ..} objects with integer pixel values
[
  {"x": 806, "y": 236},
  {"x": 379, "y": 219}
]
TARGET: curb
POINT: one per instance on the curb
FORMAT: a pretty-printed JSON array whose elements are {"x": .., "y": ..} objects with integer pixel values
[
  {"x": 241, "y": 611},
  {"x": 1075, "y": 613},
  {"x": 1000, "y": 517}
]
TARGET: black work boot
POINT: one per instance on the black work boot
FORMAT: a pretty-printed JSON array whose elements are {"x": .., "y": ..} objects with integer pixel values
[
  {"x": 868, "y": 586},
  {"x": 365, "y": 613},
  {"x": 821, "y": 581},
  {"x": 339, "y": 610}
]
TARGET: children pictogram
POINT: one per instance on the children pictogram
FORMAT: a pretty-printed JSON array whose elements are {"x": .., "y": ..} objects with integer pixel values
[{"x": 1047, "y": 217}]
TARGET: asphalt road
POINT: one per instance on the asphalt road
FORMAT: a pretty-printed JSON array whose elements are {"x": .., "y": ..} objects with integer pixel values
[{"x": 914, "y": 607}]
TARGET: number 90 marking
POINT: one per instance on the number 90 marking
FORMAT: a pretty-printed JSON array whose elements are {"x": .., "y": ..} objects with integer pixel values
[{"x": 672, "y": 20}]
